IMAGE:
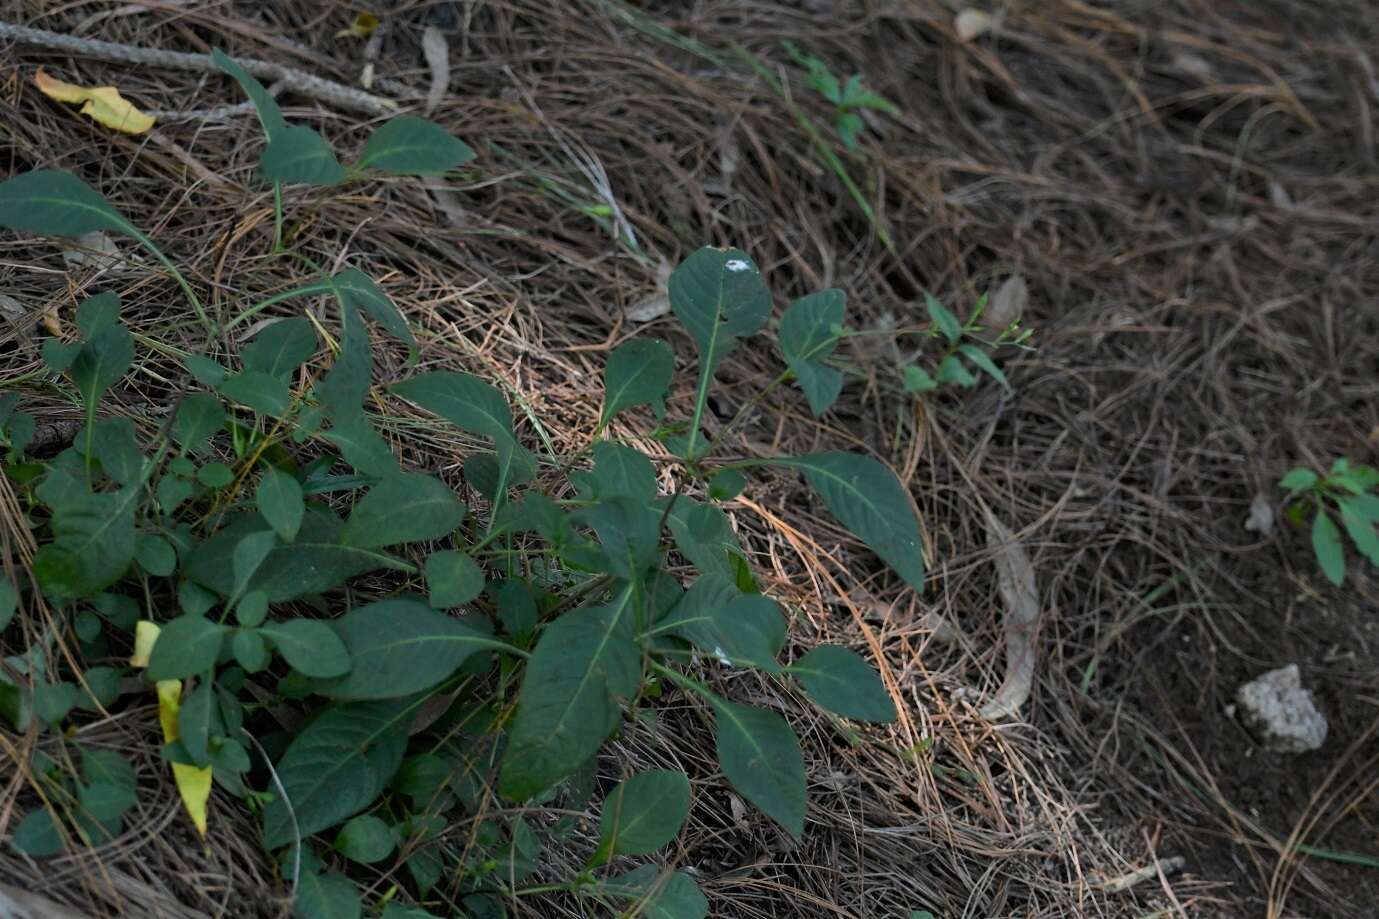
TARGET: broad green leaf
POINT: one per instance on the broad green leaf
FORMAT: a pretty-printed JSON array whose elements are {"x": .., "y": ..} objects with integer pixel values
[
  {"x": 155, "y": 555},
  {"x": 842, "y": 682},
  {"x": 337, "y": 766},
  {"x": 704, "y": 535},
  {"x": 93, "y": 540},
  {"x": 344, "y": 387},
  {"x": 205, "y": 370},
  {"x": 535, "y": 512},
  {"x": 172, "y": 491},
  {"x": 1360, "y": 528},
  {"x": 300, "y": 155},
  {"x": 262, "y": 392},
  {"x": 52, "y": 701},
  {"x": 102, "y": 688},
  {"x": 57, "y": 204},
  {"x": 250, "y": 650},
  {"x": 619, "y": 472},
  {"x": 98, "y": 313},
  {"x": 951, "y": 370},
  {"x": 452, "y": 579},
  {"x": 1326, "y": 543},
  {"x": 583, "y": 661},
  {"x": 983, "y": 362},
  {"x": 365, "y": 839},
  {"x": 761, "y": 757},
  {"x": 629, "y": 530},
  {"x": 868, "y": 499},
  {"x": 357, "y": 290},
  {"x": 248, "y": 556},
  {"x": 313, "y": 563},
  {"x": 312, "y": 648},
  {"x": 252, "y": 609},
  {"x": 199, "y": 415},
  {"x": 1298, "y": 479},
  {"x": 194, "y": 719},
  {"x": 659, "y": 895},
  {"x": 517, "y": 609},
  {"x": 412, "y": 146},
  {"x": 947, "y": 323},
  {"x": 361, "y": 445},
  {"x": 642, "y": 814},
  {"x": 108, "y": 768},
  {"x": 102, "y": 361},
  {"x": 917, "y": 380},
  {"x": 726, "y": 484},
  {"x": 20, "y": 431},
  {"x": 746, "y": 630},
  {"x": 484, "y": 473},
  {"x": 215, "y": 475},
  {"x": 38, "y": 834},
  {"x": 808, "y": 334},
  {"x": 401, "y": 646},
  {"x": 117, "y": 450},
  {"x": 638, "y": 372},
  {"x": 326, "y": 896},
  {"x": 186, "y": 646},
  {"x": 58, "y": 355},
  {"x": 474, "y": 406},
  {"x": 270, "y": 116},
  {"x": 279, "y": 500},
  {"x": 1363, "y": 507},
  {"x": 719, "y": 296},
  {"x": 407, "y": 507},
  {"x": 280, "y": 348}
]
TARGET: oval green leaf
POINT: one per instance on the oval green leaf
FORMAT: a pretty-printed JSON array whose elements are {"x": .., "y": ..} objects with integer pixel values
[
  {"x": 407, "y": 507},
  {"x": 298, "y": 154},
  {"x": 186, "y": 646},
  {"x": 408, "y": 145},
  {"x": 311, "y": 648},
  {"x": 642, "y": 814},
  {"x": 761, "y": 757},
  {"x": 842, "y": 682},
  {"x": 638, "y": 372}
]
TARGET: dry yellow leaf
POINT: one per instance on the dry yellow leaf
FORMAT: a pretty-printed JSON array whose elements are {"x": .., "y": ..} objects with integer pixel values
[
  {"x": 363, "y": 26},
  {"x": 145, "y": 634},
  {"x": 103, "y": 104},
  {"x": 193, "y": 783}
]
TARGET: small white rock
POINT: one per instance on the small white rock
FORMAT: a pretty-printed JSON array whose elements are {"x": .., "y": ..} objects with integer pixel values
[{"x": 1282, "y": 712}]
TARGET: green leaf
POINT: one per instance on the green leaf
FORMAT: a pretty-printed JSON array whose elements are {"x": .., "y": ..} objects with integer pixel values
[
  {"x": 642, "y": 814},
  {"x": 9, "y": 601},
  {"x": 982, "y": 362},
  {"x": 38, "y": 834},
  {"x": 583, "y": 661},
  {"x": 93, "y": 540},
  {"x": 252, "y": 609},
  {"x": 517, "y": 609},
  {"x": 761, "y": 757},
  {"x": 280, "y": 348},
  {"x": 356, "y": 290},
  {"x": 807, "y": 336},
  {"x": 106, "y": 767},
  {"x": 705, "y": 536},
  {"x": 337, "y": 766},
  {"x": 452, "y": 579},
  {"x": 412, "y": 146},
  {"x": 194, "y": 719},
  {"x": 746, "y": 630},
  {"x": 365, "y": 839},
  {"x": 620, "y": 472},
  {"x": 250, "y": 650},
  {"x": 362, "y": 446},
  {"x": 56, "y": 203},
  {"x": 249, "y": 554},
  {"x": 344, "y": 387},
  {"x": 98, "y": 313},
  {"x": 270, "y": 116},
  {"x": 1360, "y": 527},
  {"x": 629, "y": 530},
  {"x": 726, "y": 484},
  {"x": 155, "y": 555},
  {"x": 186, "y": 646},
  {"x": 52, "y": 701},
  {"x": 204, "y": 370},
  {"x": 315, "y": 562},
  {"x": 262, "y": 392},
  {"x": 407, "y": 507},
  {"x": 868, "y": 499},
  {"x": 638, "y": 372},
  {"x": 279, "y": 500},
  {"x": 102, "y": 362},
  {"x": 326, "y": 896},
  {"x": 302, "y": 156},
  {"x": 659, "y": 895},
  {"x": 199, "y": 415},
  {"x": 172, "y": 492},
  {"x": 395, "y": 910},
  {"x": 312, "y": 648},
  {"x": 401, "y": 646},
  {"x": 947, "y": 323},
  {"x": 842, "y": 682},
  {"x": 471, "y": 405},
  {"x": 215, "y": 475},
  {"x": 719, "y": 296},
  {"x": 1326, "y": 543},
  {"x": 57, "y": 355},
  {"x": 102, "y": 688},
  {"x": 114, "y": 446},
  {"x": 1364, "y": 507},
  {"x": 951, "y": 370},
  {"x": 917, "y": 380}
]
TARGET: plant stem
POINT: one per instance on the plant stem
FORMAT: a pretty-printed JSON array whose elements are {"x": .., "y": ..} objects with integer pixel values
[{"x": 277, "y": 216}]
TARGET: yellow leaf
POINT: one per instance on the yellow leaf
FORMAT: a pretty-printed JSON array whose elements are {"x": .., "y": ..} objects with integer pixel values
[
  {"x": 103, "y": 104},
  {"x": 169, "y": 704},
  {"x": 193, "y": 783},
  {"x": 363, "y": 26},
  {"x": 145, "y": 634},
  {"x": 194, "y": 787}
]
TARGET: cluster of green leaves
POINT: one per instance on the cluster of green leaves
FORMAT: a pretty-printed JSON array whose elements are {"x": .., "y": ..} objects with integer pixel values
[
  {"x": 512, "y": 640},
  {"x": 1348, "y": 491},
  {"x": 962, "y": 347},
  {"x": 848, "y": 97}
]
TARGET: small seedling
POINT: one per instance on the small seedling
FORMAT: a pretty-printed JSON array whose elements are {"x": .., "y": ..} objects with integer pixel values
[
  {"x": 962, "y": 346},
  {"x": 1347, "y": 491},
  {"x": 849, "y": 97}
]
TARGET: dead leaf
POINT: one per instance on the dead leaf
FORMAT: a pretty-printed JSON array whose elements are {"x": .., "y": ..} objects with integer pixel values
[
  {"x": 16, "y": 321},
  {"x": 103, "y": 104},
  {"x": 972, "y": 23},
  {"x": 1007, "y": 304},
  {"x": 362, "y": 27},
  {"x": 91, "y": 250},
  {"x": 437, "y": 52},
  {"x": 450, "y": 206},
  {"x": 656, "y": 305},
  {"x": 1015, "y": 576},
  {"x": 1261, "y": 519}
]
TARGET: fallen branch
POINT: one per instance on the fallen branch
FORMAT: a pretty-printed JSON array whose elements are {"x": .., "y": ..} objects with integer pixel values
[{"x": 338, "y": 94}]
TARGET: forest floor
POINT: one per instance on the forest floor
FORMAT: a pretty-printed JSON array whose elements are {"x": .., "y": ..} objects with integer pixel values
[{"x": 1187, "y": 191}]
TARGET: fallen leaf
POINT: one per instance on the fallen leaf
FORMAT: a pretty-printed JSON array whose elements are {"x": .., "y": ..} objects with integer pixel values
[
  {"x": 1261, "y": 519},
  {"x": 362, "y": 27},
  {"x": 1015, "y": 577},
  {"x": 656, "y": 305},
  {"x": 437, "y": 53},
  {"x": 103, "y": 104},
  {"x": 971, "y": 23},
  {"x": 1007, "y": 304},
  {"x": 91, "y": 250}
]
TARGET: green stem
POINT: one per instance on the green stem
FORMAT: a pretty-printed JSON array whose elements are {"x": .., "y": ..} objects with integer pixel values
[
  {"x": 177, "y": 276},
  {"x": 277, "y": 217},
  {"x": 320, "y": 287}
]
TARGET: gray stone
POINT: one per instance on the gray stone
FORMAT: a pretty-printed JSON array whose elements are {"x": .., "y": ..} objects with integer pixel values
[{"x": 1281, "y": 712}]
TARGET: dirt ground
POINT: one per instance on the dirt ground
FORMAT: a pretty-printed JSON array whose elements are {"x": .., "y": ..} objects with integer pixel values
[{"x": 1189, "y": 190}]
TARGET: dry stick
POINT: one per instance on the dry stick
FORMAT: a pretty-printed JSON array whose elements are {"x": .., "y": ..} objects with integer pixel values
[{"x": 315, "y": 87}]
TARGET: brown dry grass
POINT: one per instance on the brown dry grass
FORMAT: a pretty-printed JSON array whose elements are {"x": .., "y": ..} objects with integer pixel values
[{"x": 1189, "y": 189}]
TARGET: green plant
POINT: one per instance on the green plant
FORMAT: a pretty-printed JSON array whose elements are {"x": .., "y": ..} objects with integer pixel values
[
  {"x": 848, "y": 97},
  {"x": 961, "y": 342},
  {"x": 1346, "y": 491},
  {"x": 503, "y": 645}
]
